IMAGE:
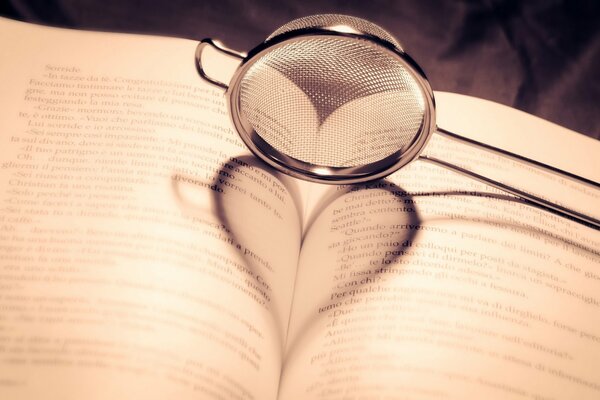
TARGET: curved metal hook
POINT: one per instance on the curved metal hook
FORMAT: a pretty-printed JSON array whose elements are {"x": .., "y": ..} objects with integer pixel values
[{"x": 218, "y": 46}]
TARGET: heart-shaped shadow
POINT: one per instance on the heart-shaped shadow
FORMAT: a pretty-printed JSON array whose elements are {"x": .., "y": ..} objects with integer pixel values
[
  {"x": 337, "y": 221},
  {"x": 262, "y": 210}
]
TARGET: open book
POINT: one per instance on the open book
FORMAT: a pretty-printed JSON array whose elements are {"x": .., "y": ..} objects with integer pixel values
[{"x": 144, "y": 253}]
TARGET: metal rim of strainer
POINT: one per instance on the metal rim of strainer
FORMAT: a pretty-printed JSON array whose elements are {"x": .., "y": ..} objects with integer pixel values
[{"x": 319, "y": 173}]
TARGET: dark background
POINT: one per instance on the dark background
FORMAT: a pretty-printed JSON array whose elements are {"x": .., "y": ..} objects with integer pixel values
[{"x": 542, "y": 57}]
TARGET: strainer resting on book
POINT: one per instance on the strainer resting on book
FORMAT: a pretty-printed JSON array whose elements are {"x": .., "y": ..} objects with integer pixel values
[{"x": 335, "y": 99}]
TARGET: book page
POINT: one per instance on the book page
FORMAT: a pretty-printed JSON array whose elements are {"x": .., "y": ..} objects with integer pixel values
[
  {"x": 431, "y": 285},
  {"x": 143, "y": 252}
]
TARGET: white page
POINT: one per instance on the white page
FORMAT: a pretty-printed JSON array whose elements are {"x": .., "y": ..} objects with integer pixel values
[
  {"x": 431, "y": 285},
  {"x": 138, "y": 259}
]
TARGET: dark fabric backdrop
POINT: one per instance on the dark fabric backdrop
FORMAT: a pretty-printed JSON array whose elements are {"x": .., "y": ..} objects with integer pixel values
[{"x": 542, "y": 57}]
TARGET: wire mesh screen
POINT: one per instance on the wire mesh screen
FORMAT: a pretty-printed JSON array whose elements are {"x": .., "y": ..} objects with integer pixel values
[
  {"x": 359, "y": 24},
  {"x": 332, "y": 101}
]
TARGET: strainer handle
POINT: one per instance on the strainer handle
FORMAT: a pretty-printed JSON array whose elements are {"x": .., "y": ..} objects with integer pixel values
[
  {"x": 218, "y": 46},
  {"x": 530, "y": 197}
]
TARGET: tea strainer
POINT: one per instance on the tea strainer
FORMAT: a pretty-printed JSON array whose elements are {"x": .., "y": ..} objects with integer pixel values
[{"x": 335, "y": 99}]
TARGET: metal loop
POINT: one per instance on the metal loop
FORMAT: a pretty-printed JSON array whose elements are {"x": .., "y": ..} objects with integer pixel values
[{"x": 218, "y": 46}]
